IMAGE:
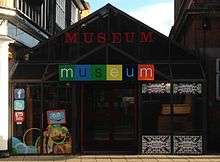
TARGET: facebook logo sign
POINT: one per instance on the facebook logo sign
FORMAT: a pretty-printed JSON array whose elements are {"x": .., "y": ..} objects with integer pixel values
[{"x": 19, "y": 93}]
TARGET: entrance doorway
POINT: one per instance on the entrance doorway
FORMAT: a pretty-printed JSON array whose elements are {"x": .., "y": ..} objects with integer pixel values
[{"x": 110, "y": 119}]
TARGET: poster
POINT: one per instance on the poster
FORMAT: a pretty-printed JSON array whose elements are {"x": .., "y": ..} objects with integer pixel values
[{"x": 56, "y": 117}]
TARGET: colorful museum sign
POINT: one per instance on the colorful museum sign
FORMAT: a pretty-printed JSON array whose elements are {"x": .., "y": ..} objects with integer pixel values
[{"x": 97, "y": 72}]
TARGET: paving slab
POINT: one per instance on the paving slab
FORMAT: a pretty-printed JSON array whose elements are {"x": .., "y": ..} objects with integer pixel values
[
  {"x": 31, "y": 158},
  {"x": 134, "y": 160},
  {"x": 88, "y": 160},
  {"x": 165, "y": 160},
  {"x": 118, "y": 160},
  {"x": 180, "y": 160},
  {"x": 103, "y": 160},
  {"x": 215, "y": 160},
  {"x": 112, "y": 158},
  {"x": 16, "y": 158},
  {"x": 5, "y": 159},
  {"x": 74, "y": 160},
  {"x": 149, "y": 160},
  {"x": 202, "y": 160}
]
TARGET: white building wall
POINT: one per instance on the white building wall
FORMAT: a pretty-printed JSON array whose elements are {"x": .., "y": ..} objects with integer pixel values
[{"x": 4, "y": 109}]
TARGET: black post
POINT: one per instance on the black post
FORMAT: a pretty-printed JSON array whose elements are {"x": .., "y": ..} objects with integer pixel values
[
  {"x": 172, "y": 117},
  {"x": 41, "y": 110},
  {"x": 205, "y": 114},
  {"x": 139, "y": 117}
]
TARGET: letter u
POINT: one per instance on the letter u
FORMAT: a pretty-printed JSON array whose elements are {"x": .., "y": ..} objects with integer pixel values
[
  {"x": 132, "y": 73},
  {"x": 82, "y": 72}
]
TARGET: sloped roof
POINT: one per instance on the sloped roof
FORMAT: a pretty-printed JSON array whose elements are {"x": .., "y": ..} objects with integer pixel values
[
  {"x": 169, "y": 58},
  {"x": 98, "y": 20}
]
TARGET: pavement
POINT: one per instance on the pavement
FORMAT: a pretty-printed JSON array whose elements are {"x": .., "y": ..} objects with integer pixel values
[{"x": 113, "y": 158}]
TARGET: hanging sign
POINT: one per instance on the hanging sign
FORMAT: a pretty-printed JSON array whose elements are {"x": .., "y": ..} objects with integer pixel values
[
  {"x": 141, "y": 72},
  {"x": 56, "y": 117},
  {"x": 191, "y": 88},
  {"x": 156, "y": 88},
  {"x": 19, "y": 117}
]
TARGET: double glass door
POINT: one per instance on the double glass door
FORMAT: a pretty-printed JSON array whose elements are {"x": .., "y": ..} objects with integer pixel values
[{"x": 110, "y": 118}]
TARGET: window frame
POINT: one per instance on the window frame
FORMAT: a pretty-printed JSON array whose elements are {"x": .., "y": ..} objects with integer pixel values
[
  {"x": 73, "y": 10},
  {"x": 61, "y": 8}
]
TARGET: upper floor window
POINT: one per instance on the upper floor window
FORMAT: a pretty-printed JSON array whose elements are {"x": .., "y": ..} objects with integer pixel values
[
  {"x": 74, "y": 13},
  {"x": 60, "y": 13},
  {"x": 6, "y": 3}
]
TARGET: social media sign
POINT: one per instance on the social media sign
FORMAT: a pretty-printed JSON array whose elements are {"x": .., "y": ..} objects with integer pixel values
[
  {"x": 19, "y": 93},
  {"x": 19, "y": 105}
]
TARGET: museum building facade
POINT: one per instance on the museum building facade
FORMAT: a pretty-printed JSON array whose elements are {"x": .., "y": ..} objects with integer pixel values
[{"x": 108, "y": 84}]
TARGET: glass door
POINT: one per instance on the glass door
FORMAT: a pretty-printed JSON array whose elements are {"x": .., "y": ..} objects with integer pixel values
[
  {"x": 110, "y": 118},
  {"x": 123, "y": 118},
  {"x": 96, "y": 117}
]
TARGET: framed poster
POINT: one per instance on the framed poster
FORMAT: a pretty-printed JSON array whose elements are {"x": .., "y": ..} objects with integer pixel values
[{"x": 56, "y": 116}]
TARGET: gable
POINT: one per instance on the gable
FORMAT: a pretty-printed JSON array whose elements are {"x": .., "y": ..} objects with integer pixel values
[{"x": 109, "y": 27}]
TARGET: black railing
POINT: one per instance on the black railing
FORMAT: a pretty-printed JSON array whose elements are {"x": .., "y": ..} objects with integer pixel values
[{"x": 38, "y": 14}]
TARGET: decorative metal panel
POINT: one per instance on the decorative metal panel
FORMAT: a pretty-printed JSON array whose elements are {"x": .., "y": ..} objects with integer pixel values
[
  {"x": 187, "y": 144},
  {"x": 156, "y": 144},
  {"x": 192, "y": 88},
  {"x": 156, "y": 88}
]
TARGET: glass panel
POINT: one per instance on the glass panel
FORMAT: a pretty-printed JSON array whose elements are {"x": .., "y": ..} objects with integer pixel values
[
  {"x": 156, "y": 117},
  {"x": 21, "y": 36},
  {"x": 187, "y": 71},
  {"x": 123, "y": 115},
  {"x": 60, "y": 13},
  {"x": 188, "y": 111},
  {"x": 97, "y": 110},
  {"x": 26, "y": 126},
  {"x": 109, "y": 117},
  {"x": 58, "y": 119},
  {"x": 74, "y": 13}
]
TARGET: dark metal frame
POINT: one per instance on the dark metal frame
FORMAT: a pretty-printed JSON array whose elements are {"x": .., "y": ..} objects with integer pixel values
[{"x": 47, "y": 48}]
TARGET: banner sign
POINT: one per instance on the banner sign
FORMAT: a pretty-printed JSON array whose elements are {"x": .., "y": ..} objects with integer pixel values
[
  {"x": 191, "y": 88},
  {"x": 56, "y": 117},
  {"x": 178, "y": 88},
  {"x": 82, "y": 72},
  {"x": 156, "y": 88}
]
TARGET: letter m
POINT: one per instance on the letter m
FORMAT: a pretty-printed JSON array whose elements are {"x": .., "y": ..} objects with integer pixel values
[
  {"x": 66, "y": 72},
  {"x": 70, "y": 37},
  {"x": 146, "y": 37}
]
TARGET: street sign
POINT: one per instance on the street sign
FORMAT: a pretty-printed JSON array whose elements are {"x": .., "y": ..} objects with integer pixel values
[
  {"x": 19, "y": 93},
  {"x": 19, "y": 105}
]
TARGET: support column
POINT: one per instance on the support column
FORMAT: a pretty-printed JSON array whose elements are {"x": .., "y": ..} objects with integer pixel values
[
  {"x": 4, "y": 95},
  {"x": 4, "y": 88}
]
